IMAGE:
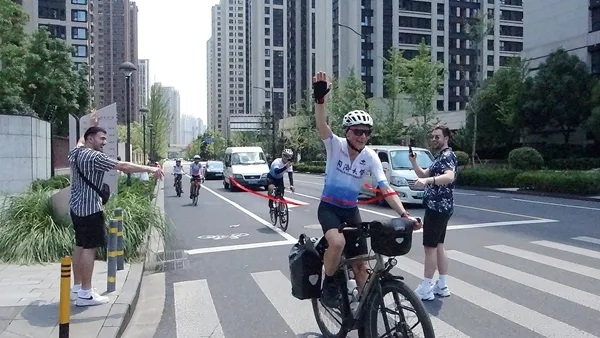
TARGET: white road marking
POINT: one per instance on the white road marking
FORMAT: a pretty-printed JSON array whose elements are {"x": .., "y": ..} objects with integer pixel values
[
  {"x": 587, "y": 239},
  {"x": 464, "y": 193},
  {"x": 556, "y": 204},
  {"x": 518, "y": 314},
  {"x": 569, "y": 248},
  {"x": 195, "y": 310},
  {"x": 239, "y": 247},
  {"x": 285, "y": 235}
]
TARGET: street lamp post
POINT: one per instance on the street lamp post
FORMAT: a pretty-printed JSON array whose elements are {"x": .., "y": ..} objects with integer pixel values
[
  {"x": 144, "y": 112},
  {"x": 128, "y": 68}
]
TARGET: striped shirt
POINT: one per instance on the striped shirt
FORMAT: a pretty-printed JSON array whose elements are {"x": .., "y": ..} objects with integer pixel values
[{"x": 93, "y": 164}]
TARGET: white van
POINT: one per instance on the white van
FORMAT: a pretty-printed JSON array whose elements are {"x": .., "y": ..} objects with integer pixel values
[
  {"x": 247, "y": 165},
  {"x": 399, "y": 172}
]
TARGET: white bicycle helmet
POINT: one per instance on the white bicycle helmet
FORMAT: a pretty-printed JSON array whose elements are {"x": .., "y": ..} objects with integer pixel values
[
  {"x": 287, "y": 153},
  {"x": 197, "y": 157},
  {"x": 357, "y": 117}
]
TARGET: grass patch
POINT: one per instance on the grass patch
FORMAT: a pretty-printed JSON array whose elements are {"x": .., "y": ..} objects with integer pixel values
[{"x": 30, "y": 233}]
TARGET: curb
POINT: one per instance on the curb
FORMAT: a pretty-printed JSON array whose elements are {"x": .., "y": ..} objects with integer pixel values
[
  {"x": 131, "y": 288},
  {"x": 532, "y": 193}
]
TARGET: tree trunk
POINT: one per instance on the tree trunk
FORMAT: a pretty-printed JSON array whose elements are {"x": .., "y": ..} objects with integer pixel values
[{"x": 473, "y": 150}]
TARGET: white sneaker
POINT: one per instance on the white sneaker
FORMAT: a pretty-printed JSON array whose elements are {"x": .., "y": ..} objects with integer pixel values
[
  {"x": 93, "y": 298},
  {"x": 441, "y": 291},
  {"x": 74, "y": 292},
  {"x": 425, "y": 292}
]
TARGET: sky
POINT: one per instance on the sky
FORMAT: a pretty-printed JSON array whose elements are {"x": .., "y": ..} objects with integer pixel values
[{"x": 173, "y": 37}]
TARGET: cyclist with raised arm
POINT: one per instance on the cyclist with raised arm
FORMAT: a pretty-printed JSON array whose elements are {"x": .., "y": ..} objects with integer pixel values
[
  {"x": 178, "y": 172},
  {"x": 347, "y": 161},
  {"x": 195, "y": 171},
  {"x": 275, "y": 175}
]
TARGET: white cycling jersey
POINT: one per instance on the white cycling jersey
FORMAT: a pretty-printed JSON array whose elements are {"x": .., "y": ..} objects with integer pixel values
[
  {"x": 277, "y": 165},
  {"x": 343, "y": 178},
  {"x": 178, "y": 170}
]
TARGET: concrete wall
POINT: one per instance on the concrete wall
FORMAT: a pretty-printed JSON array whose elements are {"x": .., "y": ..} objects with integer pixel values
[
  {"x": 60, "y": 152},
  {"x": 24, "y": 154}
]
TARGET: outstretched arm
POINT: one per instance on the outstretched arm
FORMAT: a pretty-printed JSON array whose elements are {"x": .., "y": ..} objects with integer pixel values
[{"x": 320, "y": 90}]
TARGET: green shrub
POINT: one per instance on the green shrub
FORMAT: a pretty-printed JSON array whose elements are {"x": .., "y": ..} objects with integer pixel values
[
  {"x": 53, "y": 183},
  {"x": 462, "y": 157},
  {"x": 525, "y": 158},
  {"x": 309, "y": 167},
  {"x": 583, "y": 163},
  {"x": 29, "y": 233},
  {"x": 571, "y": 182},
  {"x": 487, "y": 177}
]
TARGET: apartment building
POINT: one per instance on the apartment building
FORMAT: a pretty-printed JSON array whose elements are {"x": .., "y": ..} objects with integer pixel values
[
  {"x": 575, "y": 28},
  {"x": 173, "y": 100},
  {"x": 70, "y": 20},
  {"x": 143, "y": 72},
  {"x": 364, "y": 30},
  {"x": 216, "y": 115},
  {"x": 116, "y": 41}
]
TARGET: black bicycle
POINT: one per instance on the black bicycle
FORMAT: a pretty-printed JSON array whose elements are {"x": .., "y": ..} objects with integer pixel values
[
  {"x": 388, "y": 238},
  {"x": 195, "y": 189},
  {"x": 280, "y": 209},
  {"x": 178, "y": 187}
]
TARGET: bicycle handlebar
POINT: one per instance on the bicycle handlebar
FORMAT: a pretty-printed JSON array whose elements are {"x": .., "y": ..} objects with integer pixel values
[{"x": 366, "y": 227}]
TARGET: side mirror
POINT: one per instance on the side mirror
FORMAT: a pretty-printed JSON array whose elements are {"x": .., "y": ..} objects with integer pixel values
[{"x": 385, "y": 165}]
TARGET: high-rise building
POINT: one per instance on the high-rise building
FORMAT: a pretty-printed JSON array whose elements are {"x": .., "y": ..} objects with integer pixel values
[
  {"x": 144, "y": 82},
  {"x": 365, "y": 30},
  {"x": 191, "y": 128},
  {"x": 116, "y": 27},
  {"x": 71, "y": 21},
  {"x": 215, "y": 65},
  {"x": 263, "y": 47},
  {"x": 171, "y": 96},
  {"x": 575, "y": 28}
]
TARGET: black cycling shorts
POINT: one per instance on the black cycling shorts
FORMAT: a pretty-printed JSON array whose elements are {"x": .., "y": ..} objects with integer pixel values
[
  {"x": 331, "y": 216},
  {"x": 278, "y": 182},
  {"x": 434, "y": 227}
]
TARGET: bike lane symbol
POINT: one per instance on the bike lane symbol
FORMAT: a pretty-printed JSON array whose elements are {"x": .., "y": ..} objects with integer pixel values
[{"x": 218, "y": 237}]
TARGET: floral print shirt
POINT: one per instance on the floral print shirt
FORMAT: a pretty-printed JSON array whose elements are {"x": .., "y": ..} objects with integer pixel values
[{"x": 439, "y": 197}]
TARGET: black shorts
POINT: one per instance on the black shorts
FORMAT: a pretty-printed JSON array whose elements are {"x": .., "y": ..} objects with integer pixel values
[
  {"x": 434, "y": 227},
  {"x": 278, "y": 182},
  {"x": 90, "y": 231},
  {"x": 331, "y": 216}
]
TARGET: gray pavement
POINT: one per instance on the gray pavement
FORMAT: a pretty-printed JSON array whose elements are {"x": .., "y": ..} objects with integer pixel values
[{"x": 521, "y": 266}]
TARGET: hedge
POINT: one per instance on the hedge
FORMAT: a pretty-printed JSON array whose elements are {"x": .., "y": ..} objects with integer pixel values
[{"x": 548, "y": 181}]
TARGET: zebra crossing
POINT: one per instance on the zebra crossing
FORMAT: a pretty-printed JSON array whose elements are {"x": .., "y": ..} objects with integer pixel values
[{"x": 537, "y": 268}]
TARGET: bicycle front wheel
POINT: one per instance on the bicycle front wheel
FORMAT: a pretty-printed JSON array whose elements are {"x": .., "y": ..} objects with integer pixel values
[
  {"x": 386, "y": 317},
  {"x": 283, "y": 216}
]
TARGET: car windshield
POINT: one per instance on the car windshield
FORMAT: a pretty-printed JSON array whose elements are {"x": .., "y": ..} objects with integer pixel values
[
  {"x": 215, "y": 165},
  {"x": 400, "y": 159},
  {"x": 250, "y": 157}
]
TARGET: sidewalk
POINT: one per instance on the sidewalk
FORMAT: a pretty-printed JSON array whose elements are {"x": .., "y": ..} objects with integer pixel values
[{"x": 30, "y": 298}]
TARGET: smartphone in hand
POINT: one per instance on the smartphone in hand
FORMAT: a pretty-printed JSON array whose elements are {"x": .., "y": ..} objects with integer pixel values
[{"x": 410, "y": 151}]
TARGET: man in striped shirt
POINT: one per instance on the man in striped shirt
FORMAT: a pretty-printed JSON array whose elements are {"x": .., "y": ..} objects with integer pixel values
[{"x": 86, "y": 208}]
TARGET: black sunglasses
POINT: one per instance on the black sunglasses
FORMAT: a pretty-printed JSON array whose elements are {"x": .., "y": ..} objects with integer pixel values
[{"x": 359, "y": 132}]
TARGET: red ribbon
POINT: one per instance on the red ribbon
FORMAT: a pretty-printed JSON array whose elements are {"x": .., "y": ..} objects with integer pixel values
[
  {"x": 370, "y": 200},
  {"x": 232, "y": 180}
]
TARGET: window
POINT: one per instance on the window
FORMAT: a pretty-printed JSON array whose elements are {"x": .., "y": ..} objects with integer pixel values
[
  {"x": 78, "y": 15},
  {"x": 80, "y": 51},
  {"x": 78, "y": 33},
  {"x": 267, "y": 10},
  {"x": 79, "y": 2}
]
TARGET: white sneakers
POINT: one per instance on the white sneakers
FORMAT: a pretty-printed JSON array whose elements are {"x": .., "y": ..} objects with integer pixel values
[
  {"x": 427, "y": 291},
  {"x": 87, "y": 298}
]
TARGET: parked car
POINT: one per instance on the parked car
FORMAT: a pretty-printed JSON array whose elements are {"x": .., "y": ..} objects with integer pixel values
[
  {"x": 213, "y": 169},
  {"x": 399, "y": 172}
]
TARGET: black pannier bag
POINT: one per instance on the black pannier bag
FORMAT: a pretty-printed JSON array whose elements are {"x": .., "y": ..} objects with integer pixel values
[
  {"x": 392, "y": 238},
  {"x": 306, "y": 268}
]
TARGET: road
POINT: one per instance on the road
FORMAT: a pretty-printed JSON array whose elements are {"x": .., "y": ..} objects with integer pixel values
[{"x": 521, "y": 266}]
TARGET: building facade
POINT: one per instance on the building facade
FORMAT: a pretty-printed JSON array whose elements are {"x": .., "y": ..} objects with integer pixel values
[
  {"x": 215, "y": 66},
  {"x": 143, "y": 72}
]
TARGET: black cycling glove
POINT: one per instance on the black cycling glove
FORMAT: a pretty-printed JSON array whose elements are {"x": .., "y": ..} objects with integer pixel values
[{"x": 319, "y": 91}]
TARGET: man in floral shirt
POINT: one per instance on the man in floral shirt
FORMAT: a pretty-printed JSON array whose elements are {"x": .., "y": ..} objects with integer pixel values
[{"x": 438, "y": 181}]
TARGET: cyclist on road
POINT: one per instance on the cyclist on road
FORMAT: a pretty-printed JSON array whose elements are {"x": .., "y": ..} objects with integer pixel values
[
  {"x": 195, "y": 171},
  {"x": 347, "y": 161},
  {"x": 275, "y": 175},
  {"x": 178, "y": 172}
]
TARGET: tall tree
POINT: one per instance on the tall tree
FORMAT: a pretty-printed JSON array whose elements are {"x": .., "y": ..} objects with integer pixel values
[
  {"x": 346, "y": 95},
  {"x": 12, "y": 53},
  {"x": 560, "y": 95},
  {"x": 477, "y": 31},
  {"x": 158, "y": 123},
  {"x": 423, "y": 77},
  {"x": 53, "y": 88}
]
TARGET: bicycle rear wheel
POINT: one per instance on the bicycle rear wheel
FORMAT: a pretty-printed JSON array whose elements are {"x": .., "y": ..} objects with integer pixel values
[
  {"x": 274, "y": 213},
  {"x": 388, "y": 325}
]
